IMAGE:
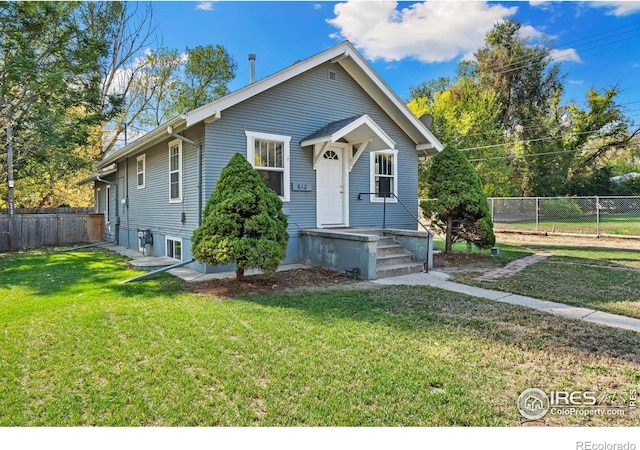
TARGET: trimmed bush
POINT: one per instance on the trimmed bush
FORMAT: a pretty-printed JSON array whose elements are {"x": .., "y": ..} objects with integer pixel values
[{"x": 242, "y": 222}]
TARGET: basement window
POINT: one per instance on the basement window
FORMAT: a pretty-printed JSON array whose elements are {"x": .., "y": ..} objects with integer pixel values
[{"x": 173, "y": 248}]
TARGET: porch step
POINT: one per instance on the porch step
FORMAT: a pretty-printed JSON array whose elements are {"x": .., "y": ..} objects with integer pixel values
[
  {"x": 399, "y": 269},
  {"x": 392, "y": 259}
]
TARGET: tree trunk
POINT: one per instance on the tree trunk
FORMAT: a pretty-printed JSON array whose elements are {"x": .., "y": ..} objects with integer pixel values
[
  {"x": 239, "y": 274},
  {"x": 449, "y": 235}
]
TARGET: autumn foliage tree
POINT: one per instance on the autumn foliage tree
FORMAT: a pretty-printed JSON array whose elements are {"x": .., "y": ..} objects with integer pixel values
[
  {"x": 458, "y": 206},
  {"x": 242, "y": 222}
]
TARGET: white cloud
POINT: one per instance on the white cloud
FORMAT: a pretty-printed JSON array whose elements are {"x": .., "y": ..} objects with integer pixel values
[
  {"x": 620, "y": 8},
  {"x": 205, "y": 6},
  {"x": 427, "y": 31},
  {"x": 317, "y": 6},
  {"x": 529, "y": 32},
  {"x": 568, "y": 54}
]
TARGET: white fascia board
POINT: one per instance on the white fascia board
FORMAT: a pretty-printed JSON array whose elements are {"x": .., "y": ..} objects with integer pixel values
[
  {"x": 319, "y": 140},
  {"x": 216, "y": 107},
  {"x": 394, "y": 100},
  {"x": 152, "y": 137},
  {"x": 364, "y": 120}
]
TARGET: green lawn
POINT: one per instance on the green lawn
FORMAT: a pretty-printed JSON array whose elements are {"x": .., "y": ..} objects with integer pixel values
[
  {"x": 624, "y": 224},
  {"x": 78, "y": 349},
  {"x": 603, "y": 279}
]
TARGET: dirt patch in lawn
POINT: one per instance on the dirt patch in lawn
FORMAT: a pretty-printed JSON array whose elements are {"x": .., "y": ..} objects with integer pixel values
[
  {"x": 285, "y": 281},
  {"x": 570, "y": 241},
  {"x": 462, "y": 262}
]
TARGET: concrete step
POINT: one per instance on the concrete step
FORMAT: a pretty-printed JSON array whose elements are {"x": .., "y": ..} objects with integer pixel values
[
  {"x": 399, "y": 269},
  {"x": 385, "y": 240},
  {"x": 382, "y": 250},
  {"x": 393, "y": 259}
]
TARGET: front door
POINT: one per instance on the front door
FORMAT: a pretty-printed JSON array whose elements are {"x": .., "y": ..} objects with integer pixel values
[{"x": 331, "y": 188}]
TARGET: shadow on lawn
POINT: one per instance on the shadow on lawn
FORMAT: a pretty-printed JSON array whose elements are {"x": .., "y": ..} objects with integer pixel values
[
  {"x": 415, "y": 308},
  {"x": 89, "y": 271}
]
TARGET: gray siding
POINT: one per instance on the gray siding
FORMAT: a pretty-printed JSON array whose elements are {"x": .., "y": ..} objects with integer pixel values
[
  {"x": 149, "y": 207},
  {"x": 297, "y": 108}
]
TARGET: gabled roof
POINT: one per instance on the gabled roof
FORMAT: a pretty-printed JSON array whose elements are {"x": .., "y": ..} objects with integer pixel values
[{"x": 344, "y": 54}]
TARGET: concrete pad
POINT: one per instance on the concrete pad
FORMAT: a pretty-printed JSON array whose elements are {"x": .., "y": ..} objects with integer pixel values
[
  {"x": 221, "y": 275},
  {"x": 415, "y": 279},
  {"x": 613, "y": 320},
  {"x": 149, "y": 262}
]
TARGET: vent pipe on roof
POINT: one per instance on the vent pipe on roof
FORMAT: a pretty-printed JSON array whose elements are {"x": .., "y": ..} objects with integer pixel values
[
  {"x": 427, "y": 120},
  {"x": 252, "y": 68}
]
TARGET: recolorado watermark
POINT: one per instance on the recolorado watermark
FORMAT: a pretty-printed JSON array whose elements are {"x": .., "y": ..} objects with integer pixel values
[
  {"x": 588, "y": 445},
  {"x": 534, "y": 404}
]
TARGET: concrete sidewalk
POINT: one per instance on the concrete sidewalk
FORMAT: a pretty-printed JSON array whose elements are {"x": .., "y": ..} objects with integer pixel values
[{"x": 441, "y": 280}]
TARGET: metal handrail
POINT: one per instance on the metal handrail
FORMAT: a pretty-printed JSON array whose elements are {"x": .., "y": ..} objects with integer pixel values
[
  {"x": 384, "y": 220},
  {"x": 384, "y": 209}
]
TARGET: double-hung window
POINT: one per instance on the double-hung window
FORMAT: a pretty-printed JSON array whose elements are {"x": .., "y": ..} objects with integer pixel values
[
  {"x": 269, "y": 155},
  {"x": 175, "y": 171},
  {"x": 140, "y": 171},
  {"x": 384, "y": 175}
]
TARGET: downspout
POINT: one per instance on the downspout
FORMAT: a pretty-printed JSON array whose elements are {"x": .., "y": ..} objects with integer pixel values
[
  {"x": 126, "y": 198},
  {"x": 111, "y": 183}
]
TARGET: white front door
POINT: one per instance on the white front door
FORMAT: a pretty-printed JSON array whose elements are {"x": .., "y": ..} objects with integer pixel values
[{"x": 331, "y": 188}]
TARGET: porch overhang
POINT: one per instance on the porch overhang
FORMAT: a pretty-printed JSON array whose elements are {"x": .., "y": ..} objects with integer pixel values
[{"x": 360, "y": 132}]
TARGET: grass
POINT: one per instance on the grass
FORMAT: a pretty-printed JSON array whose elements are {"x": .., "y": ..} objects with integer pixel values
[
  {"x": 602, "y": 279},
  {"x": 78, "y": 349},
  {"x": 622, "y": 224}
]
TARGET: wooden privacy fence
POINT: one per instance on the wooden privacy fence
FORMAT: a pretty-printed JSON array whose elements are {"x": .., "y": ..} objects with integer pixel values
[{"x": 42, "y": 228}]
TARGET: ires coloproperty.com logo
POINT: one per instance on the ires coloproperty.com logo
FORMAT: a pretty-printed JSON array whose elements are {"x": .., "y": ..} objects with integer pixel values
[{"x": 534, "y": 403}]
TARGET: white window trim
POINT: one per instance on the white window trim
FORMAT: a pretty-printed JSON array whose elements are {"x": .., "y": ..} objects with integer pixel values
[
  {"x": 251, "y": 138},
  {"x": 144, "y": 171},
  {"x": 372, "y": 175},
  {"x": 173, "y": 143},
  {"x": 166, "y": 247}
]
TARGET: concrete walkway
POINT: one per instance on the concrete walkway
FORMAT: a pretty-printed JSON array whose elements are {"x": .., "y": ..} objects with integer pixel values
[
  {"x": 512, "y": 268},
  {"x": 441, "y": 281}
]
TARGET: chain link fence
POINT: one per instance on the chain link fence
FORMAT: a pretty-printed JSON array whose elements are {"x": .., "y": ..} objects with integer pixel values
[{"x": 597, "y": 216}]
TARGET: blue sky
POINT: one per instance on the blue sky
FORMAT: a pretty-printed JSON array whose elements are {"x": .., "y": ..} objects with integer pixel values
[{"x": 598, "y": 43}]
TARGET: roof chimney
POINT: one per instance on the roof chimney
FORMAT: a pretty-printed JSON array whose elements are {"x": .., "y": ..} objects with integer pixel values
[{"x": 252, "y": 67}]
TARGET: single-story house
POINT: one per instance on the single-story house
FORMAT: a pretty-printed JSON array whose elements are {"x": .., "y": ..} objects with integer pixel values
[{"x": 326, "y": 133}]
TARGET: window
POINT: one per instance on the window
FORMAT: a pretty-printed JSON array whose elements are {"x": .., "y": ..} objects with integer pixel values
[
  {"x": 140, "y": 169},
  {"x": 175, "y": 171},
  {"x": 384, "y": 180},
  {"x": 173, "y": 248},
  {"x": 269, "y": 155}
]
